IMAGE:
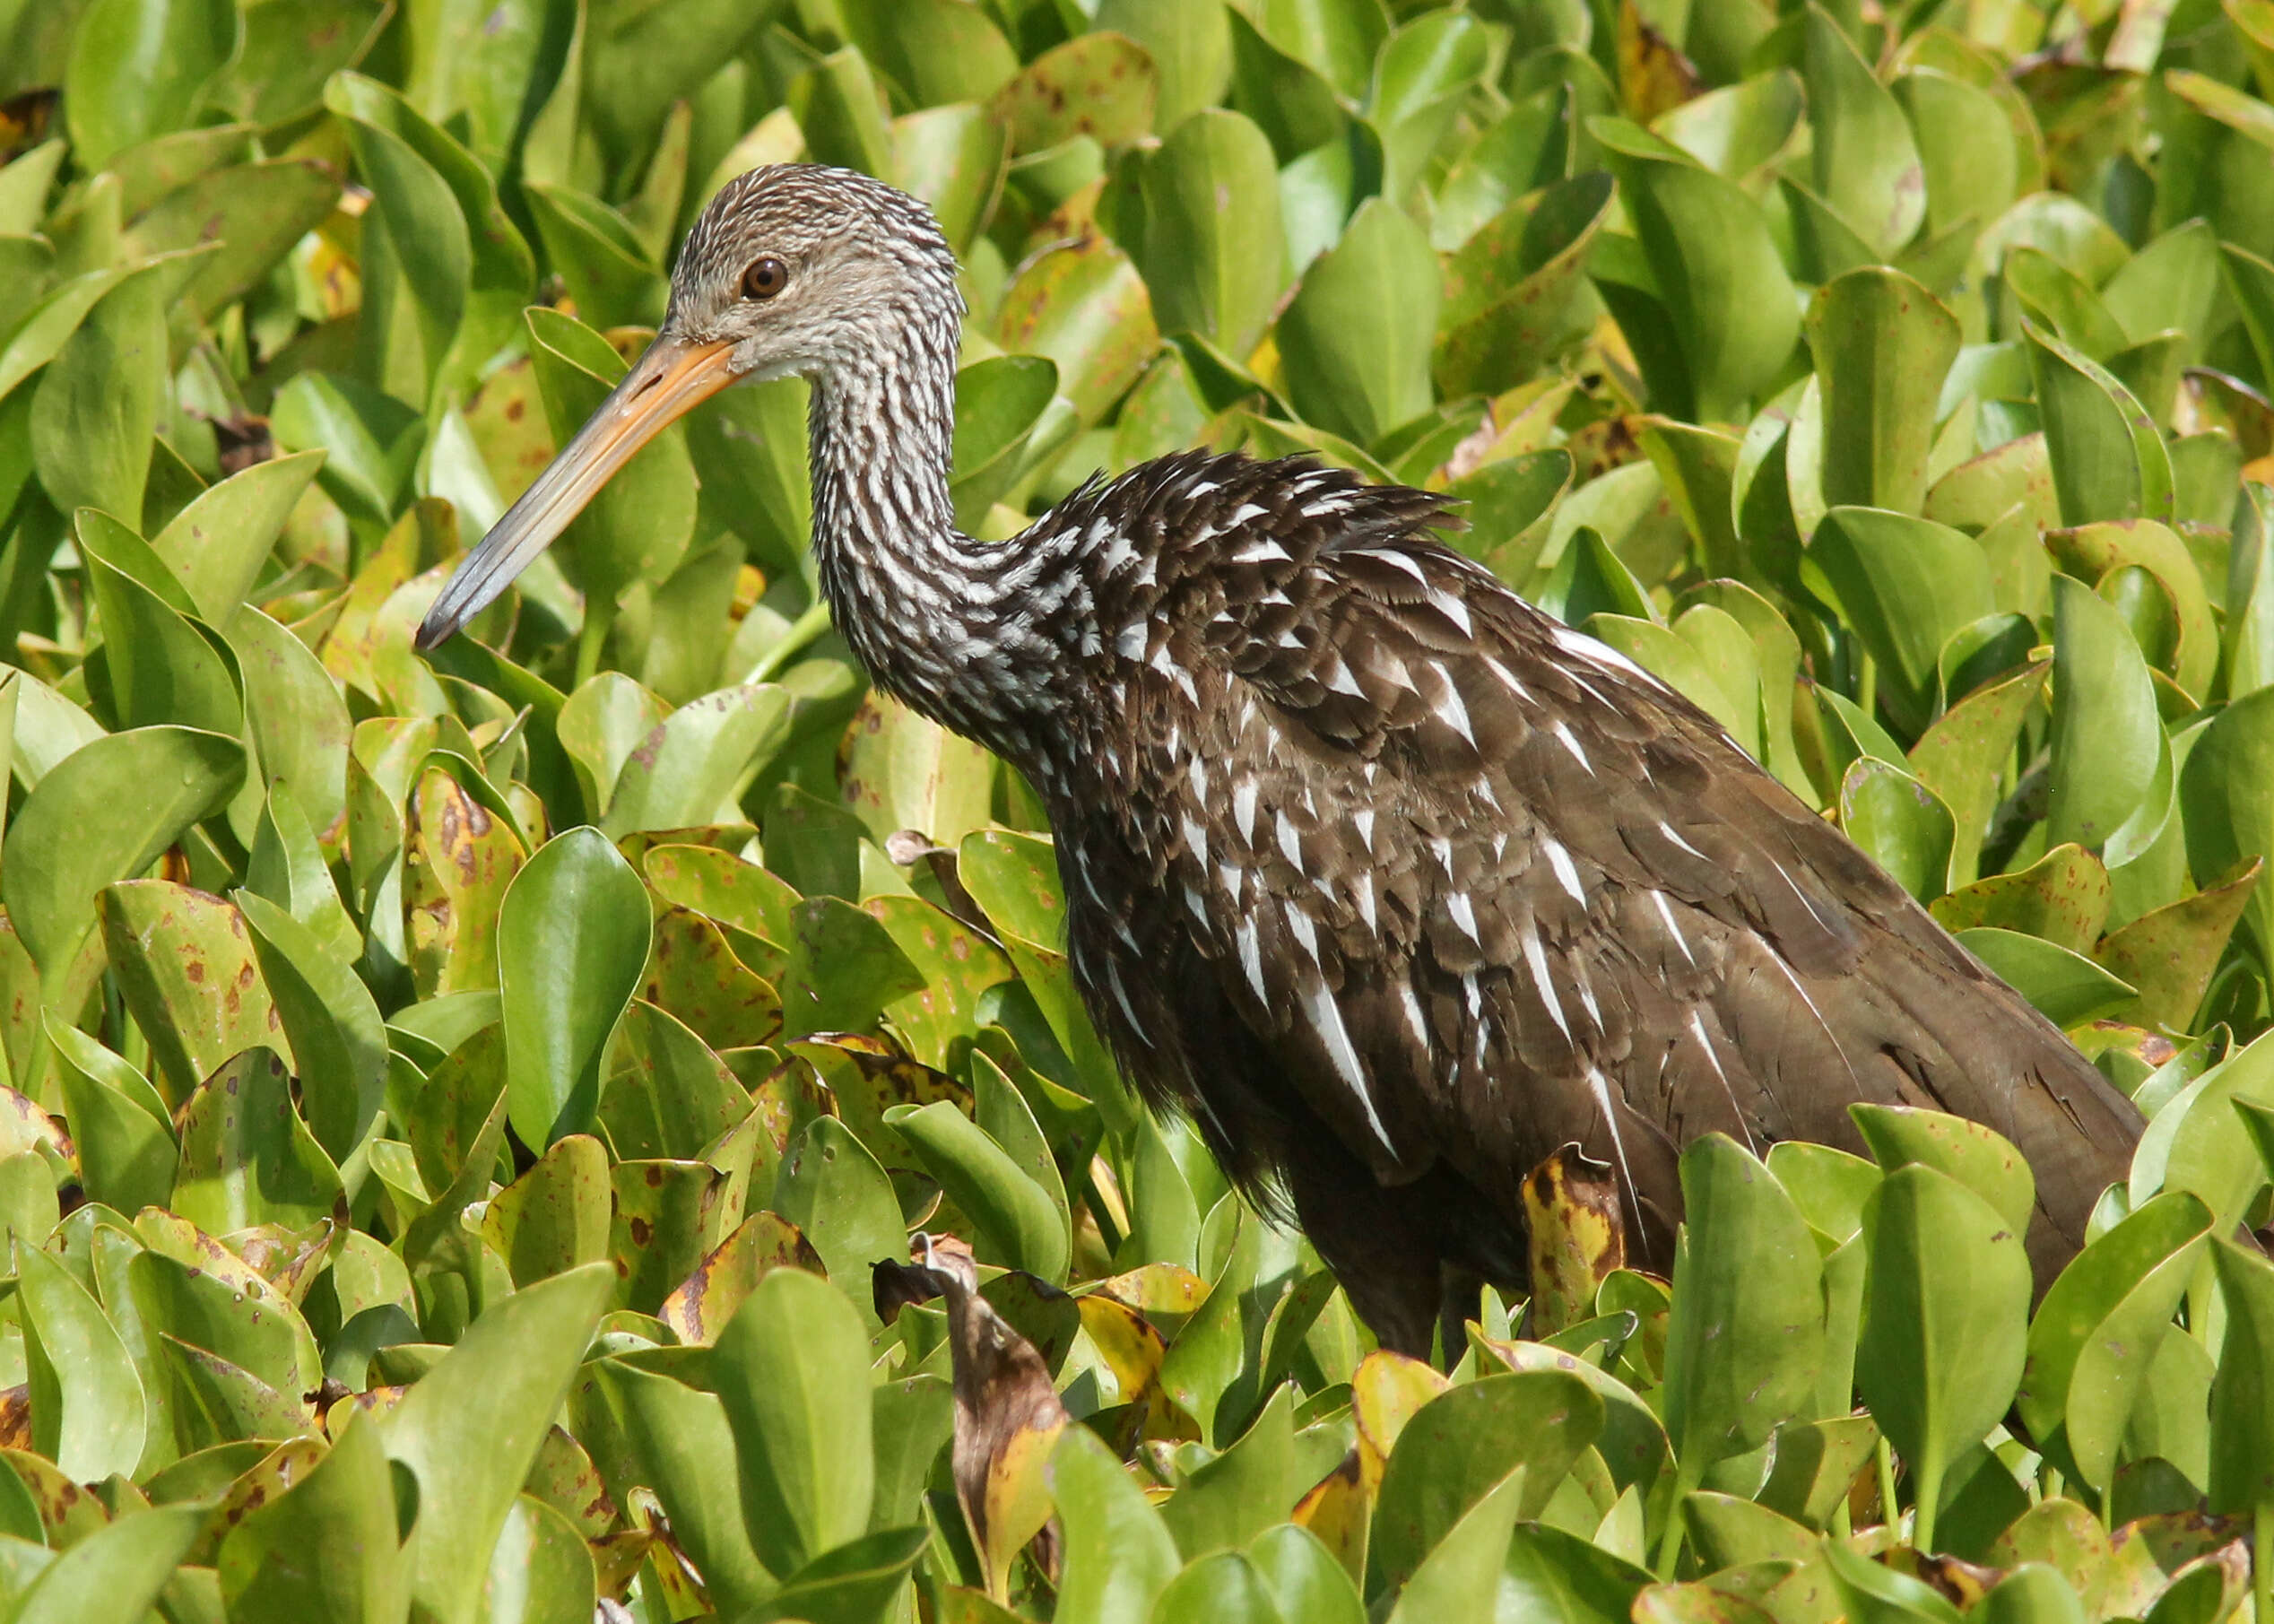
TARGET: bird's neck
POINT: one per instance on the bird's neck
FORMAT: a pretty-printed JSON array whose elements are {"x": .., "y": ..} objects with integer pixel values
[{"x": 945, "y": 623}]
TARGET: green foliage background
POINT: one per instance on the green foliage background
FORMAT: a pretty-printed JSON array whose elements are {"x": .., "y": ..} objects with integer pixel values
[{"x": 453, "y": 1107}]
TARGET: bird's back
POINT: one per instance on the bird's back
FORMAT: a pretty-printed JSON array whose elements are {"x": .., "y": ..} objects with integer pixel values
[{"x": 1364, "y": 845}]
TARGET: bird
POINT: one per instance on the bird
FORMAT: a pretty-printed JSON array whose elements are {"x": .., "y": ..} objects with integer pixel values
[{"x": 1390, "y": 882}]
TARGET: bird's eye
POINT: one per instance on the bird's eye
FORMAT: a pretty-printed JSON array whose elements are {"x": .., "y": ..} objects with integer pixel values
[{"x": 764, "y": 278}]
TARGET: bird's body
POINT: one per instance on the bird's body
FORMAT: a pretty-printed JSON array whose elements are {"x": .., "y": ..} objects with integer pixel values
[{"x": 1390, "y": 881}]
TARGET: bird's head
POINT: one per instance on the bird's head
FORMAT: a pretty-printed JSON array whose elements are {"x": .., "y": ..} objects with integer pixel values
[{"x": 791, "y": 269}]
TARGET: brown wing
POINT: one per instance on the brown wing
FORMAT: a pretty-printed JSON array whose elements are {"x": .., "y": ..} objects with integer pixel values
[{"x": 1486, "y": 888}]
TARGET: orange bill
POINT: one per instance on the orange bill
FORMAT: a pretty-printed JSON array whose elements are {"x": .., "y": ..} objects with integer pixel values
[{"x": 673, "y": 376}]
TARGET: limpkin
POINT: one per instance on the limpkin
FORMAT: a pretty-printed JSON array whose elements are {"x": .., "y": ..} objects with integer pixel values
[{"x": 1390, "y": 881}]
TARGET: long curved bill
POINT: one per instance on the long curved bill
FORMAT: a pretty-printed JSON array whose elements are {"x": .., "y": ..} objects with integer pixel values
[{"x": 673, "y": 376}]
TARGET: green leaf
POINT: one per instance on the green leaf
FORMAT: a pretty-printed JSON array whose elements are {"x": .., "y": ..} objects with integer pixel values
[
  {"x": 1746, "y": 1332},
  {"x": 1724, "y": 288},
  {"x": 572, "y": 939},
  {"x": 1101, "y": 84},
  {"x": 1212, "y": 235},
  {"x": 120, "y": 1126},
  {"x": 1017, "y": 1223},
  {"x": 140, "y": 68},
  {"x": 2227, "y": 791},
  {"x": 1527, "y": 1428},
  {"x": 792, "y": 1371},
  {"x": 1084, "y": 305},
  {"x": 1900, "y": 823},
  {"x": 680, "y": 1437},
  {"x": 554, "y": 1217},
  {"x": 2095, "y": 1336},
  {"x": 1356, "y": 340},
  {"x": 104, "y": 813},
  {"x": 1882, "y": 346},
  {"x": 2106, "y": 728},
  {"x": 97, "y": 405},
  {"x": 246, "y": 1158},
  {"x": 688, "y": 768},
  {"x": 325, "y": 1549},
  {"x": 1460, "y": 1576},
  {"x": 2066, "y": 988},
  {"x": 253, "y": 214},
  {"x": 2241, "y": 1475},
  {"x": 1946, "y": 1321},
  {"x": 841, "y": 1200},
  {"x": 1863, "y": 159},
  {"x": 1977, "y": 1156},
  {"x": 187, "y": 970},
  {"x": 1118, "y": 1556},
  {"x": 86, "y": 1398},
  {"x": 159, "y": 666},
  {"x": 2108, "y": 458},
  {"x": 1964, "y": 755},
  {"x": 512, "y": 1367},
  {"x": 117, "y": 1571},
  {"x": 844, "y": 968},
  {"x": 339, "y": 1045},
  {"x": 1907, "y": 586}
]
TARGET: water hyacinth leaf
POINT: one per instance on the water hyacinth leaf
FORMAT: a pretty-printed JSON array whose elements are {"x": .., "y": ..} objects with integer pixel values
[
  {"x": 2242, "y": 1465},
  {"x": 2108, "y": 458},
  {"x": 119, "y": 1569},
  {"x": 459, "y": 863},
  {"x": 680, "y": 1436},
  {"x": 330, "y": 1543},
  {"x": 1946, "y": 1321},
  {"x": 103, "y": 814},
  {"x": 86, "y": 1397},
  {"x": 555, "y": 1216},
  {"x": 1746, "y": 1333},
  {"x": 2105, "y": 727},
  {"x": 2225, "y": 794},
  {"x": 300, "y": 725},
  {"x": 139, "y": 68},
  {"x": 598, "y": 256},
  {"x": 572, "y": 939},
  {"x": 257, "y": 1330},
  {"x": 844, "y": 968},
  {"x": 330, "y": 1019},
  {"x": 1017, "y": 1223},
  {"x": 160, "y": 667},
  {"x": 791, "y": 1370},
  {"x": 1210, "y": 253},
  {"x": 185, "y": 968},
  {"x": 841, "y": 1200},
  {"x": 1901, "y": 823},
  {"x": 1084, "y": 306},
  {"x": 1975, "y": 1156},
  {"x": 251, "y": 212},
  {"x": 1964, "y": 754},
  {"x": 1727, "y": 297},
  {"x": 1461, "y": 1446},
  {"x": 2093, "y": 1338},
  {"x": 246, "y": 1158},
  {"x": 1119, "y": 1556},
  {"x": 2171, "y": 953},
  {"x": 1000, "y": 402},
  {"x": 1908, "y": 585},
  {"x": 700, "y": 1306},
  {"x": 119, "y": 1124},
  {"x": 1882, "y": 346},
  {"x": 688, "y": 768},
  {"x": 1356, "y": 340},
  {"x": 514, "y": 1365},
  {"x": 2066, "y": 988},
  {"x": 97, "y": 405},
  {"x": 1103, "y": 85}
]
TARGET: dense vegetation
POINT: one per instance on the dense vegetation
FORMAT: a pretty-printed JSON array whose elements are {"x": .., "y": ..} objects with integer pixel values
[{"x": 455, "y": 1107}]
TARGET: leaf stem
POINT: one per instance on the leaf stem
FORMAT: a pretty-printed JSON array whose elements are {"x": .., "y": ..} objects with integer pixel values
[
  {"x": 801, "y": 634},
  {"x": 1888, "y": 1513},
  {"x": 600, "y": 616},
  {"x": 2262, "y": 1559}
]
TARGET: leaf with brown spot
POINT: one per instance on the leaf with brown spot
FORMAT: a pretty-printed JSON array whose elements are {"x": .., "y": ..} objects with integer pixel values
[
  {"x": 2170, "y": 953},
  {"x": 1387, "y": 1391},
  {"x": 565, "y": 1479},
  {"x": 670, "y": 1094},
  {"x": 721, "y": 886},
  {"x": 666, "y": 1220},
  {"x": 1099, "y": 84},
  {"x": 866, "y": 1077},
  {"x": 1654, "y": 76},
  {"x": 216, "y": 1401},
  {"x": 246, "y": 1158},
  {"x": 68, "y": 1512},
  {"x": 424, "y": 536},
  {"x": 958, "y": 965},
  {"x": 185, "y": 966},
  {"x": 698, "y": 1310},
  {"x": 2062, "y": 897},
  {"x": 1338, "y": 1509},
  {"x": 288, "y": 1259},
  {"x": 258, "y": 1485},
  {"x": 459, "y": 862},
  {"x": 555, "y": 1216},
  {"x": 1577, "y": 1238},
  {"x": 693, "y": 972}
]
